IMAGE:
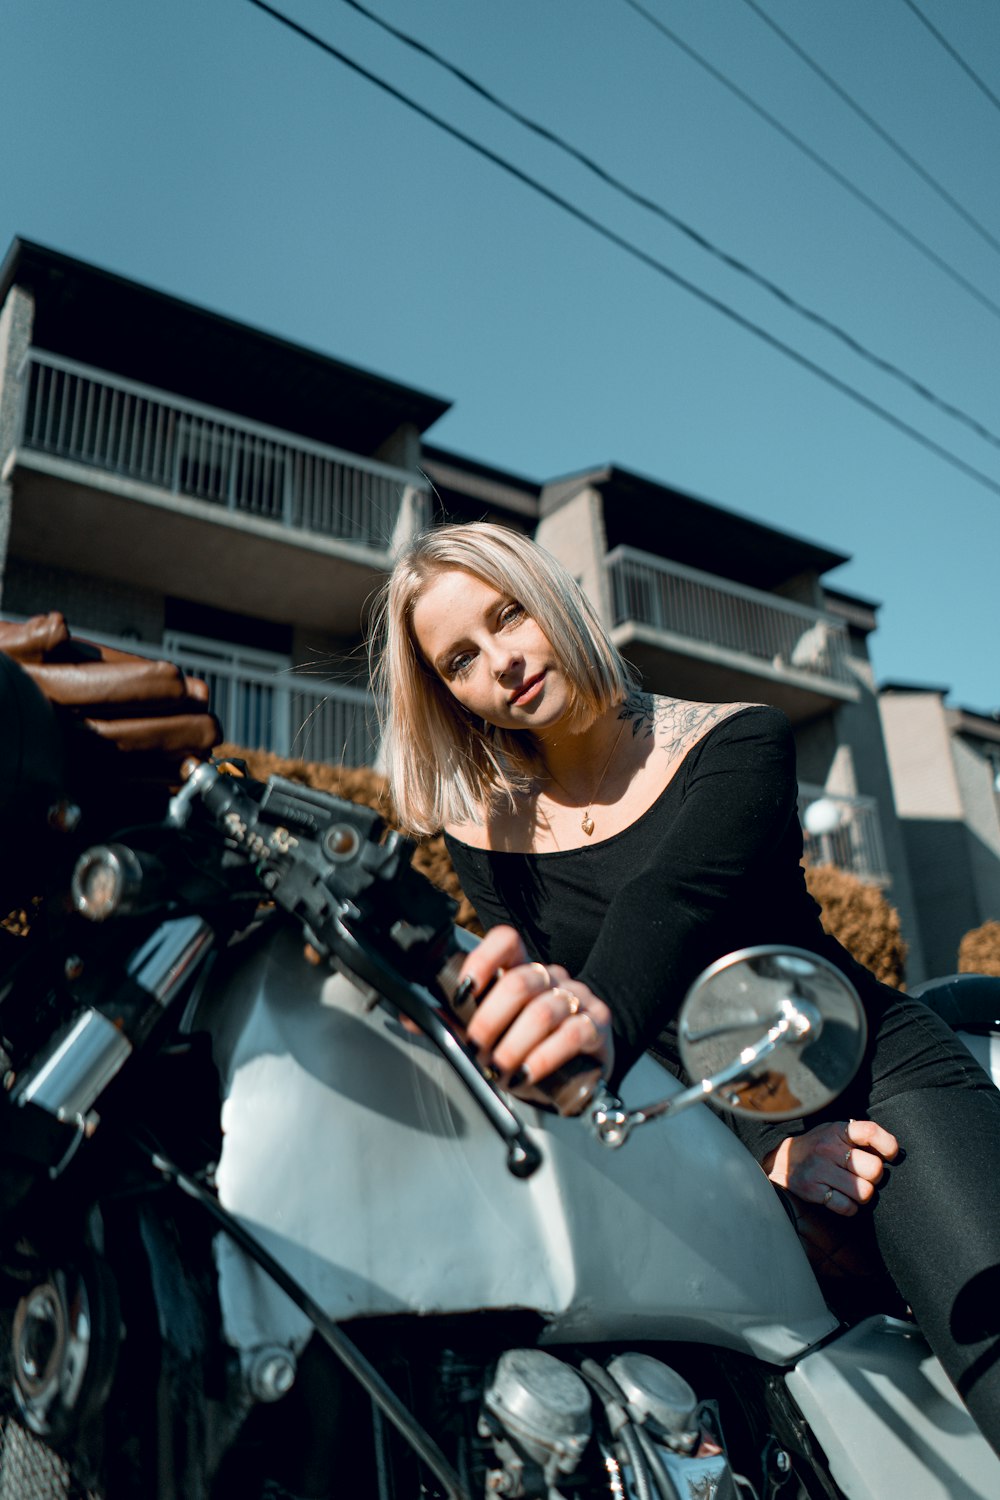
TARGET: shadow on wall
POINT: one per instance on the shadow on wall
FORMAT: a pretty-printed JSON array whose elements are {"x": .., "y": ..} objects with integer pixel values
[{"x": 956, "y": 880}]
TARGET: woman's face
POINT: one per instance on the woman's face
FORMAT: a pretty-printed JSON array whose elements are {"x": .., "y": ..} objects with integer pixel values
[{"x": 490, "y": 653}]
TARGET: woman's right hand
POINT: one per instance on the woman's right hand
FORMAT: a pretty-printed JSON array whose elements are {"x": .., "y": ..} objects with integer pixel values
[{"x": 534, "y": 1017}]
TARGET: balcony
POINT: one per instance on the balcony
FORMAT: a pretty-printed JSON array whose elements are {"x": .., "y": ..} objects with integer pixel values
[
  {"x": 268, "y": 705},
  {"x": 698, "y": 636},
  {"x": 125, "y": 480},
  {"x": 265, "y": 703},
  {"x": 845, "y": 832}
]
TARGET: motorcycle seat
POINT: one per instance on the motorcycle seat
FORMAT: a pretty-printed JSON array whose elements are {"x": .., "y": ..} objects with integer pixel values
[{"x": 966, "y": 1002}]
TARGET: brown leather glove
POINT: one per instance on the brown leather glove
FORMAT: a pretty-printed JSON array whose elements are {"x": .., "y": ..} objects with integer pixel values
[{"x": 149, "y": 709}]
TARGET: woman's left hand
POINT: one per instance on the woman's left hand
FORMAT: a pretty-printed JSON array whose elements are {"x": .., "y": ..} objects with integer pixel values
[
  {"x": 838, "y": 1165},
  {"x": 534, "y": 1017}
]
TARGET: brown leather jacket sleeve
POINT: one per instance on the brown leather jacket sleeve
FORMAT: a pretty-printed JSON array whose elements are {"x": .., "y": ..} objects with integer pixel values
[{"x": 149, "y": 709}]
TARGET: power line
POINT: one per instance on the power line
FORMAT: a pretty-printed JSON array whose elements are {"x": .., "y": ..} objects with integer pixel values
[
  {"x": 643, "y": 256},
  {"x": 952, "y": 53},
  {"x": 885, "y": 366},
  {"x": 820, "y": 161},
  {"x": 874, "y": 125}
]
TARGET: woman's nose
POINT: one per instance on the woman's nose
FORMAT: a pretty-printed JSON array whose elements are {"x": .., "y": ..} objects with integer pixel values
[{"x": 503, "y": 661}]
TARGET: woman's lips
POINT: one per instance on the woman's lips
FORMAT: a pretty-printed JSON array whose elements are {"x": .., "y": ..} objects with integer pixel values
[{"x": 527, "y": 690}]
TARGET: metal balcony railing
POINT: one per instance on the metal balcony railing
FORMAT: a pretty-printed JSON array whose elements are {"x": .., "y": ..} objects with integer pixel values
[
  {"x": 90, "y": 417},
  {"x": 264, "y": 703},
  {"x": 847, "y": 833},
  {"x": 264, "y": 707},
  {"x": 700, "y": 607}
]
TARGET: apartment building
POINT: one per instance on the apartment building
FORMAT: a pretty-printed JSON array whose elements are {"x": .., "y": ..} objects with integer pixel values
[
  {"x": 945, "y": 767},
  {"x": 177, "y": 481},
  {"x": 174, "y": 480}
]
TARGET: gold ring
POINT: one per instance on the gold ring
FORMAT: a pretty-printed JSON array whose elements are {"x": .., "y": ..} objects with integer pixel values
[
  {"x": 573, "y": 1004},
  {"x": 827, "y": 1196}
]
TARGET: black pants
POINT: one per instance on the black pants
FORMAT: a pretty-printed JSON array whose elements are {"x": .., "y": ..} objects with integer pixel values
[{"x": 936, "y": 1216}]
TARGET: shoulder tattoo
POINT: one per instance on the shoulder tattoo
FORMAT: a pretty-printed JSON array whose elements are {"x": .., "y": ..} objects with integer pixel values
[{"x": 673, "y": 722}]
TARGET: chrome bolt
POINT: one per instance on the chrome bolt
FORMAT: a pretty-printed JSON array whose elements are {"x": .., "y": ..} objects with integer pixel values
[
  {"x": 64, "y": 816},
  {"x": 269, "y": 1372}
]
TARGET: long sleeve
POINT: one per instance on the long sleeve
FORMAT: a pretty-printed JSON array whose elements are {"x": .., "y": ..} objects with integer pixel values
[{"x": 699, "y": 894}]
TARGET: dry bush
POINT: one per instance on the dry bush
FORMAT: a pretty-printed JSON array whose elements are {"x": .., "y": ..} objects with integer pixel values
[
  {"x": 979, "y": 950},
  {"x": 860, "y": 918},
  {"x": 368, "y": 787}
]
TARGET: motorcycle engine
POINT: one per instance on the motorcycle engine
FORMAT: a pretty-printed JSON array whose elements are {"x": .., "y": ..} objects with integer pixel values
[
  {"x": 538, "y": 1416},
  {"x": 536, "y": 1413}
]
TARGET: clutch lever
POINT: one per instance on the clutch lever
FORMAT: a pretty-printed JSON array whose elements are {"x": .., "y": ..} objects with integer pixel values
[{"x": 364, "y": 963}]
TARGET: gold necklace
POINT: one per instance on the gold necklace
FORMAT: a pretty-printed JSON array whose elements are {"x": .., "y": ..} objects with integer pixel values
[{"x": 587, "y": 822}]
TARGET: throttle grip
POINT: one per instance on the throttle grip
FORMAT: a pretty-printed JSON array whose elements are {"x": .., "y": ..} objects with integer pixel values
[{"x": 569, "y": 1089}]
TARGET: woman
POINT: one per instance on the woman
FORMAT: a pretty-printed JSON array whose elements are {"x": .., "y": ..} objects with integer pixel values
[{"x": 614, "y": 843}]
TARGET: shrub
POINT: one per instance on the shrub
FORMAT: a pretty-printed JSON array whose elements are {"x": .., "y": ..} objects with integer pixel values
[
  {"x": 979, "y": 950},
  {"x": 859, "y": 917}
]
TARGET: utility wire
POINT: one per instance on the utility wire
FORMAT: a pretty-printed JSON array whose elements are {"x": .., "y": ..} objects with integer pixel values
[
  {"x": 873, "y": 124},
  {"x": 885, "y": 366},
  {"x": 635, "y": 251},
  {"x": 815, "y": 157},
  {"x": 952, "y": 53}
]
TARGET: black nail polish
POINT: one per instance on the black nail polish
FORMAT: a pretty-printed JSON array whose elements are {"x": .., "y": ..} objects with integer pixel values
[
  {"x": 464, "y": 992},
  {"x": 518, "y": 1077}
]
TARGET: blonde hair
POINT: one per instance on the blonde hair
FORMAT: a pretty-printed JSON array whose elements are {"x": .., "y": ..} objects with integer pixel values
[{"x": 443, "y": 764}]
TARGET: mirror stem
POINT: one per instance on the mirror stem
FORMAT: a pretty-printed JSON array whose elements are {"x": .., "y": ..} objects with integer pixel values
[{"x": 798, "y": 1021}]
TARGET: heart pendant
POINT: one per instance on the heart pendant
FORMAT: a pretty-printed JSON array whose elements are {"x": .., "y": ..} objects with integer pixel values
[{"x": 588, "y": 826}]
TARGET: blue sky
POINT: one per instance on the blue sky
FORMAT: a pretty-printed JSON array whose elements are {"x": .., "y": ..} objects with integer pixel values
[{"x": 202, "y": 148}]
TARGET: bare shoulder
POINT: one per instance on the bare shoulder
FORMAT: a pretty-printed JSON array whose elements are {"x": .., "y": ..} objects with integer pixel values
[
  {"x": 473, "y": 834},
  {"x": 675, "y": 725},
  {"x": 501, "y": 828}
]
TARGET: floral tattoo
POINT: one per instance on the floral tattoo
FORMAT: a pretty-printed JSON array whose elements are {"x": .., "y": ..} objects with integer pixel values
[{"x": 674, "y": 722}]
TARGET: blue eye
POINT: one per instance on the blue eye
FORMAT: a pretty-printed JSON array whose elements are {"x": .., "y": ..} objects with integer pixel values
[{"x": 460, "y": 664}]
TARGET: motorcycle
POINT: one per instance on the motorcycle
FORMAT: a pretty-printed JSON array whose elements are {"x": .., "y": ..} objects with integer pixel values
[{"x": 259, "y": 1237}]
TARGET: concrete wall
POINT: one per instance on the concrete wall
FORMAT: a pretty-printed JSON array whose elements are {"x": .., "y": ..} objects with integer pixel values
[
  {"x": 16, "y": 321},
  {"x": 943, "y": 851},
  {"x": 981, "y": 809},
  {"x": 89, "y": 603},
  {"x": 575, "y": 534},
  {"x": 401, "y": 448},
  {"x": 917, "y": 742},
  {"x": 861, "y": 767}
]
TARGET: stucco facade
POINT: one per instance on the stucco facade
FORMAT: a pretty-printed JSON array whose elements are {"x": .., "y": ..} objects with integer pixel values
[{"x": 945, "y": 767}]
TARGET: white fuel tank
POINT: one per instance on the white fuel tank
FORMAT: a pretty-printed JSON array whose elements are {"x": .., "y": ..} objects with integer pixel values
[{"x": 356, "y": 1154}]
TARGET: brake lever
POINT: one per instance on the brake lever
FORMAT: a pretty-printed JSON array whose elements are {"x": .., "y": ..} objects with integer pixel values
[{"x": 369, "y": 966}]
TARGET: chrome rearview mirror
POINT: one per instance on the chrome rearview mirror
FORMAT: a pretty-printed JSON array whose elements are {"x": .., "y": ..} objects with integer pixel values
[{"x": 768, "y": 1031}]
